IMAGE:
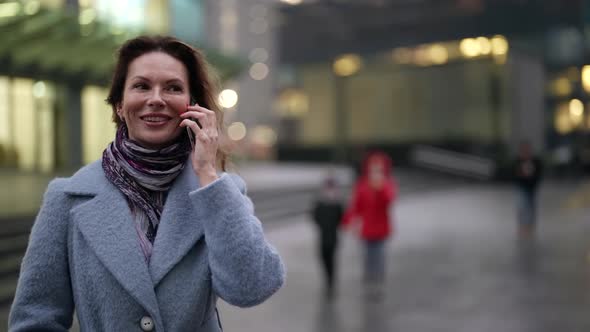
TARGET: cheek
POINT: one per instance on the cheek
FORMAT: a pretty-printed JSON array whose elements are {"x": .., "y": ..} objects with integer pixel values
[
  {"x": 178, "y": 104},
  {"x": 132, "y": 105}
]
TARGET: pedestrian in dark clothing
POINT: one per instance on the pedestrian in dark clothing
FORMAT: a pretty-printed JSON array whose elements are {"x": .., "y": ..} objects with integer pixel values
[
  {"x": 327, "y": 213},
  {"x": 527, "y": 172}
]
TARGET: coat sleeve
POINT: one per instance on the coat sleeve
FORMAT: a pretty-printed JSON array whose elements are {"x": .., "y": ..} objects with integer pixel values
[
  {"x": 43, "y": 299},
  {"x": 246, "y": 270}
]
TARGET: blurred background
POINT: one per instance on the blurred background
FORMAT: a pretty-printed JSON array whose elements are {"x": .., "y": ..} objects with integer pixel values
[{"x": 447, "y": 88}]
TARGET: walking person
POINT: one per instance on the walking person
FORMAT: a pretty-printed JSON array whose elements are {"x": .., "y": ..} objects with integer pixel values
[
  {"x": 527, "y": 172},
  {"x": 148, "y": 237},
  {"x": 373, "y": 195},
  {"x": 327, "y": 214}
]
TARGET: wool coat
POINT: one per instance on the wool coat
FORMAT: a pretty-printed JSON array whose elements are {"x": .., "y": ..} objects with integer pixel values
[{"x": 83, "y": 256}]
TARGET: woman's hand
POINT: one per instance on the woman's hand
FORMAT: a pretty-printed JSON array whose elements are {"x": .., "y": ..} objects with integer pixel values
[{"x": 204, "y": 154}]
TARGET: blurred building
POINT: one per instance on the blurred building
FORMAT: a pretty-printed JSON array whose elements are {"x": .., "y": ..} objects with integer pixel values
[
  {"x": 476, "y": 76},
  {"x": 247, "y": 28},
  {"x": 56, "y": 58}
]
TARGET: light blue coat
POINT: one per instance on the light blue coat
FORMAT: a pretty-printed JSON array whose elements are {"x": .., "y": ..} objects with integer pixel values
[{"x": 83, "y": 254}]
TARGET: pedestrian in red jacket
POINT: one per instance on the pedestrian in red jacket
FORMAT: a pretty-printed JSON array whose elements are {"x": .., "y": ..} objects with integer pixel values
[{"x": 373, "y": 194}]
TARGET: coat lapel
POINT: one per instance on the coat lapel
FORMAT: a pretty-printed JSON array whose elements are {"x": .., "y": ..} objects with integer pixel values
[
  {"x": 106, "y": 223},
  {"x": 178, "y": 231}
]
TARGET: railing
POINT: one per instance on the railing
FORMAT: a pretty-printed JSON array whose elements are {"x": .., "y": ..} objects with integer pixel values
[{"x": 453, "y": 162}]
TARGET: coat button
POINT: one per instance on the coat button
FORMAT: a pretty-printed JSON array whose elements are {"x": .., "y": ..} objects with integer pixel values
[{"x": 146, "y": 324}]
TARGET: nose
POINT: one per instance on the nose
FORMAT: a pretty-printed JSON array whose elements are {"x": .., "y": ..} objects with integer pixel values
[{"x": 155, "y": 100}]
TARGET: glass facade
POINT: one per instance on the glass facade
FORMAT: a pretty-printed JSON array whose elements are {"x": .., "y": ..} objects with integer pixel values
[
  {"x": 392, "y": 100},
  {"x": 43, "y": 124},
  {"x": 98, "y": 129},
  {"x": 27, "y": 132}
]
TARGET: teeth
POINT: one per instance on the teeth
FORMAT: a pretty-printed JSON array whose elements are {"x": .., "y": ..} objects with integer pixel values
[{"x": 154, "y": 119}]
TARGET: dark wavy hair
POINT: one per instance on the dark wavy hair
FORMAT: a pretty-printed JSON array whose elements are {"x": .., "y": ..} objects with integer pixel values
[{"x": 203, "y": 84}]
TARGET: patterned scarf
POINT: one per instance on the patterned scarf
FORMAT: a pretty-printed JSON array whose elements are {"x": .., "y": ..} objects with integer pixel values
[{"x": 144, "y": 176}]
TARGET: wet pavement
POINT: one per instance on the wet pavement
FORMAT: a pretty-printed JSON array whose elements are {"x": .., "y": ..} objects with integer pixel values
[{"x": 454, "y": 264}]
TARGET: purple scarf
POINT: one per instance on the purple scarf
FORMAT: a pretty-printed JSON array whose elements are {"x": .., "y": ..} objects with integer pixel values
[{"x": 144, "y": 176}]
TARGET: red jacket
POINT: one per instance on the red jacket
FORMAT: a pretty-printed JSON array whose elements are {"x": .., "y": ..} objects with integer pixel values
[{"x": 372, "y": 205}]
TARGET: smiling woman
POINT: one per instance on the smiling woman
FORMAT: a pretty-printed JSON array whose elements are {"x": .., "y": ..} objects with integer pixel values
[
  {"x": 156, "y": 93},
  {"x": 122, "y": 242}
]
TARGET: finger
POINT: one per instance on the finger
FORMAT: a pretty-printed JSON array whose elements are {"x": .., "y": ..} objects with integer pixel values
[
  {"x": 193, "y": 115},
  {"x": 211, "y": 117},
  {"x": 199, "y": 132},
  {"x": 196, "y": 107},
  {"x": 192, "y": 125}
]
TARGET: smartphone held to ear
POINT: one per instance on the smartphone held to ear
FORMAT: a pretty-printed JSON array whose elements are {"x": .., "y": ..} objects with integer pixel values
[
  {"x": 193, "y": 103},
  {"x": 189, "y": 132}
]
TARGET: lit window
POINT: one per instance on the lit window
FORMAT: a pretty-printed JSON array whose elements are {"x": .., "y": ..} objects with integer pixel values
[
  {"x": 485, "y": 47},
  {"x": 438, "y": 54},
  {"x": 586, "y": 77},
  {"x": 576, "y": 112},
  {"x": 562, "y": 120},
  {"x": 561, "y": 87},
  {"x": 469, "y": 47},
  {"x": 347, "y": 65},
  {"x": 499, "y": 45},
  {"x": 292, "y": 2}
]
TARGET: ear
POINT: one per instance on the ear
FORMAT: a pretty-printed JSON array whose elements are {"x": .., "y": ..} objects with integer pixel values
[{"x": 120, "y": 113}]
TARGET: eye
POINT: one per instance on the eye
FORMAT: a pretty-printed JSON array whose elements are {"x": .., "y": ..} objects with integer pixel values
[
  {"x": 140, "y": 86},
  {"x": 175, "y": 88}
]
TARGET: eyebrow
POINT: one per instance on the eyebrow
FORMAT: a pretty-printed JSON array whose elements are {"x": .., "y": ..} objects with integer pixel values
[{"x": 172, "y": 80}]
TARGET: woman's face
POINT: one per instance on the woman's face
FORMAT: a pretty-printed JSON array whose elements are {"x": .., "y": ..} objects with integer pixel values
[{"x": 156, "y": 91}]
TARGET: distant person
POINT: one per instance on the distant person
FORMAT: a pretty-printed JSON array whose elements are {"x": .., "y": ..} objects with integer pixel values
[
  {"x": 563, "y": 158},
  {"x": 327, "y": 214},
  {"x": 151, "y": 235},
  {"x": 527, "y": 171},
  {"x": 372, "y": 197}
]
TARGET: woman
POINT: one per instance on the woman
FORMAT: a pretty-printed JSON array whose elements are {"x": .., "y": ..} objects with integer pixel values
[
  {"x": 372, "y": 196},
  {"x": 151, "y": 235}
]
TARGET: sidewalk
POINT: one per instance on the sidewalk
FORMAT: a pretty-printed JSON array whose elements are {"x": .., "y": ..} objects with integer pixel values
[{"x": 454, "y": 266}]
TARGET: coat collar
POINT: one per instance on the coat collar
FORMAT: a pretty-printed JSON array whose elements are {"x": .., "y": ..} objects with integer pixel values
[
  {"x": 178, "y": 231},
  {"x": 107, "y": 225}
]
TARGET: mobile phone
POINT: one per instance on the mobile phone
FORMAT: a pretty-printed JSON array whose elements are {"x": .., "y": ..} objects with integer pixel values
[
  {"x": 189, "y": 132},
  {"x": 192, "y": 103}
]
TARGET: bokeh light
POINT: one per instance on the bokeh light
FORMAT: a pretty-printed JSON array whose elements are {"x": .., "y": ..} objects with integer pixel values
[
  {"x": 236, "y": 131},
  {"x": 228, "y": 98}
]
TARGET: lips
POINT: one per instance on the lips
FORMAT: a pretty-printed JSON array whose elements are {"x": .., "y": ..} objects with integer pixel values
[{"x": 155, "y": 118}]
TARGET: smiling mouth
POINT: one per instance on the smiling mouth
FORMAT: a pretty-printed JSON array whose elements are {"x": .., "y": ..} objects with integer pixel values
[{"x": 155, "y": 118}]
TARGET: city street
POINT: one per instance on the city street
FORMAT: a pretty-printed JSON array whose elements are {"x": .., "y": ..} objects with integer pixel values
[{"x": 471, "y": 105}]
